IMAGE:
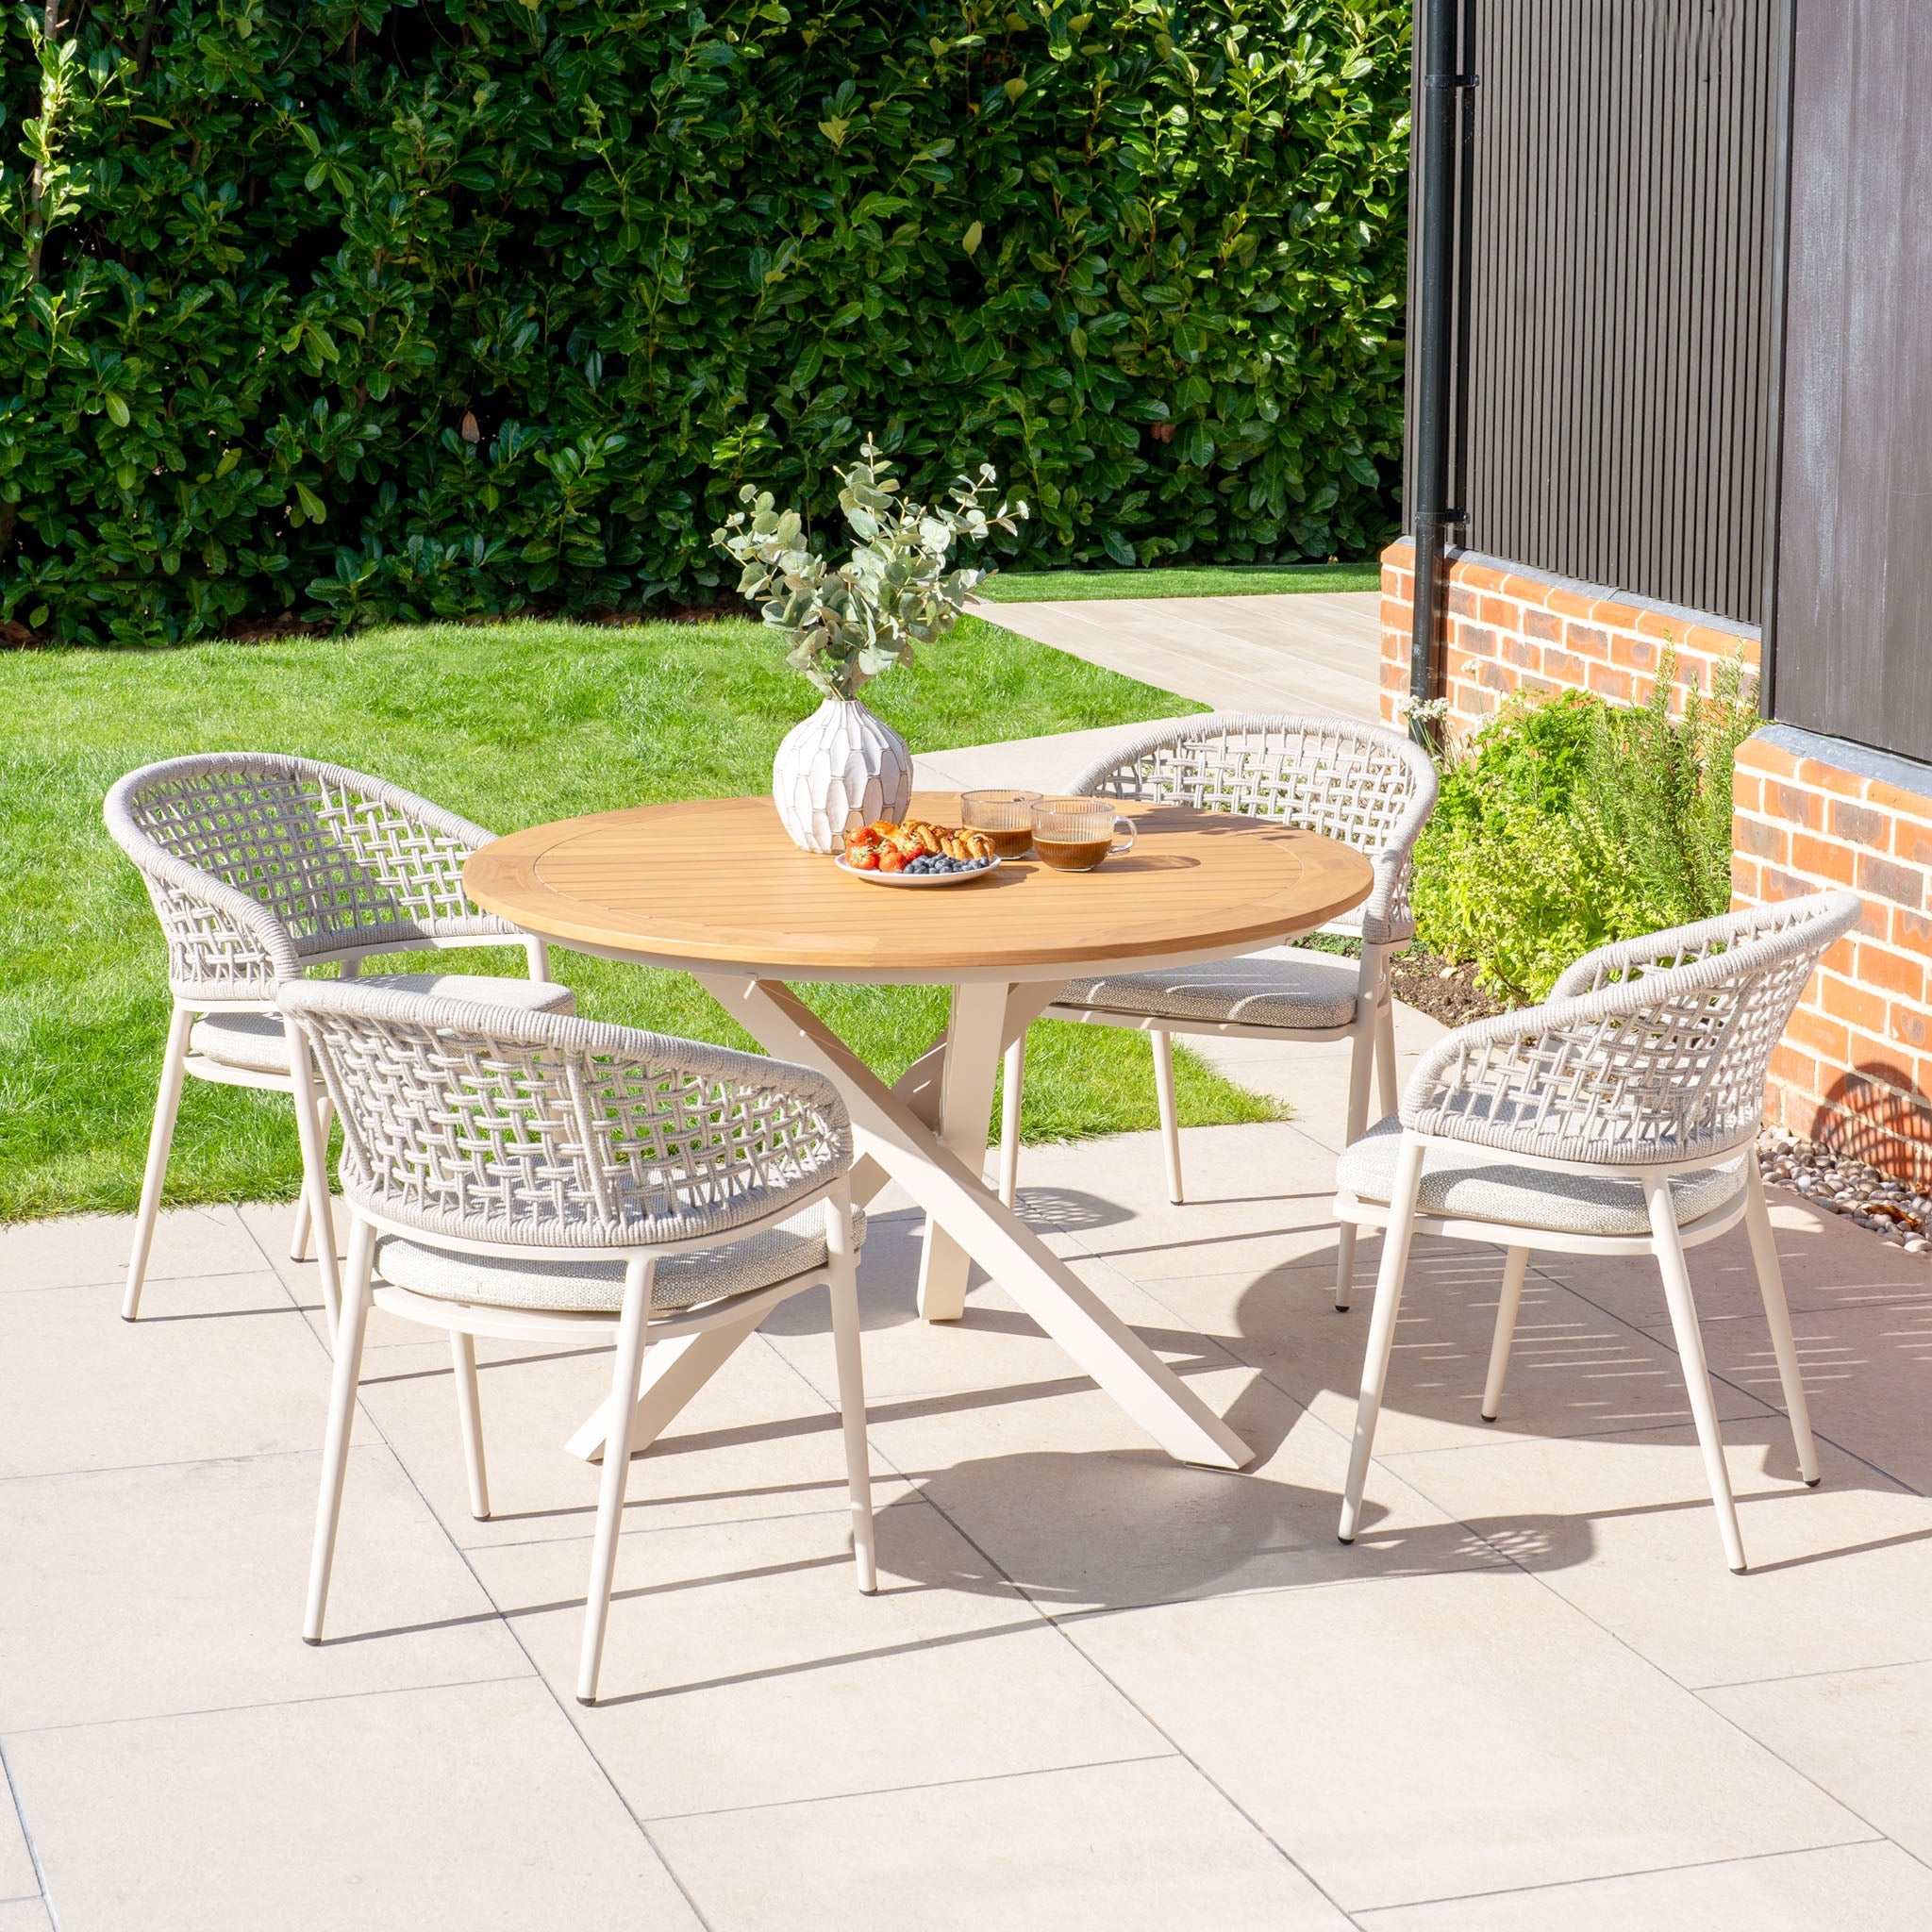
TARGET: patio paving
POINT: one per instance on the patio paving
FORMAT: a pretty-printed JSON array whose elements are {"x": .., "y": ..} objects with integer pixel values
[
  {"x": 1316, "y": 651},
  {"x": 1096, "y": 1690}
]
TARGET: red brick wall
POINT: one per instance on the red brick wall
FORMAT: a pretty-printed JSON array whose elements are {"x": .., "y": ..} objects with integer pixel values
[
  {"x": 1510, "y": 629},
  {"x": 1856, "y": 1063}
]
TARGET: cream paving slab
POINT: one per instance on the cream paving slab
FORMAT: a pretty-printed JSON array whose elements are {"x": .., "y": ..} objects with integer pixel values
[
  {"x": 1857, "y": 1888},
  {"x": 1863, "y": 1736},
  {"x": 743, "y": 1667},
  {"x": 17, "y": 1876},
  {"x": 1827, "y": 1263},
  {"x": 1048, "y": 763},
  {"x": 1130, "y": 1847},
  {"x": 139, "y": 1592},
  {"x": 1841, "y": 1576},
  {"x": 1261, "y": 1198},
  {"x": 1426, "y": 1737},
  {"x": 1083, "y": 1514},
  {"x": 230, "y": 1369},
  {"x": 467, "y": 1809},
  {"x": 89, "y": 1250},
  {"x": 1868, "y": 1378},
  {"x": 1273, "y": 652},
  {"x": 25, "y": 1915},
  {"x": 1572, "y": 1370},
  {"x": 756, "y": 1440}
]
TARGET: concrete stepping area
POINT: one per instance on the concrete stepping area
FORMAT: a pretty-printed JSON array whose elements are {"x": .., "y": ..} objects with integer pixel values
[{"x": 1317, "y": 651}]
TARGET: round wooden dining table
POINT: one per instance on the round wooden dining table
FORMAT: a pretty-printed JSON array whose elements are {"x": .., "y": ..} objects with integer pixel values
[{"x": 716, "y": 889}]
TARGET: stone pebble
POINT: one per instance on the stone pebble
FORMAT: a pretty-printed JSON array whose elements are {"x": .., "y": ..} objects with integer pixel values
[{"x": 1855, "y": 1189}]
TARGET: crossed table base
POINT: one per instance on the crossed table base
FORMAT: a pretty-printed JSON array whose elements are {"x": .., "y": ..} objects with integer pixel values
[
  {"x": 928, "y": 1132},
  {"x": 716, "y": 890}
]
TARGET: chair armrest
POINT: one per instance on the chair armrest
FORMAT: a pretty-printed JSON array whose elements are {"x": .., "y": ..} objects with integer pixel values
[
  {"x": 223, "y": 943},
  {"x": 475, "y": 1122},
  {"x": 1655, "y": 952}
]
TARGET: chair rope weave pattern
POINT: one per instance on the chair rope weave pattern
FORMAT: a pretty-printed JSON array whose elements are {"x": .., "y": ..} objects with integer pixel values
[
  {"x": 539, "y": 1129},
  {"x": 1369, "y": 787},
  {"x": 258, "y": 861},
  {"x": 1653, "y": 1050}
]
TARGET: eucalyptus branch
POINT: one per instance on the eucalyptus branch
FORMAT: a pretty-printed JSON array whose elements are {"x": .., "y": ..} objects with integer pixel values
[{"x": 893, "y": 592}]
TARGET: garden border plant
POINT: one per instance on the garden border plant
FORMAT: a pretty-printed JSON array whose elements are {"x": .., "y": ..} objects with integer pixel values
[
  {"x": 1568, "y": 822},
  {"x": 440, "y": 307}
]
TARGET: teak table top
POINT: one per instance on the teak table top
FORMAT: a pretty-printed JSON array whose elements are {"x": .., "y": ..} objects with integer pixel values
[{"x": 717, "y": 882}]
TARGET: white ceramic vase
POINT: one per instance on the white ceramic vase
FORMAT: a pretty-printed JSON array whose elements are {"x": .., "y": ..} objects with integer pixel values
[{"x": 837, "y": 770}]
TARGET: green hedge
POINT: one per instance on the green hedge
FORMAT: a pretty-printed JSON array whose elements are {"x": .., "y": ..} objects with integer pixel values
[{"x": 450, "y": 307}]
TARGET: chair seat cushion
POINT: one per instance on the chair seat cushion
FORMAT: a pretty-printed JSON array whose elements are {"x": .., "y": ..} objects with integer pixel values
[
  {"x": 1470, "y": 1184},
  {"x": 596, "y": 1288},
  {"x": 254, "y": 1043},
  {"x": 1293, "y": 989}
]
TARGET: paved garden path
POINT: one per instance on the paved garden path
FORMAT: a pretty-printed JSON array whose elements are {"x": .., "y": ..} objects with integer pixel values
[{"x": 1318, "y": 652}]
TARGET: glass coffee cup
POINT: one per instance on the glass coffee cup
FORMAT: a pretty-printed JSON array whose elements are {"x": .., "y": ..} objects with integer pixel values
[
  {"x": 1077, "y": 834},
  {"x": 1005, "y": 817}
]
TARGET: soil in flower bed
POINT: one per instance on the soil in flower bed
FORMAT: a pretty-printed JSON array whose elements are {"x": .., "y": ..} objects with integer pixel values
[{"x": 1446, "y": 993}]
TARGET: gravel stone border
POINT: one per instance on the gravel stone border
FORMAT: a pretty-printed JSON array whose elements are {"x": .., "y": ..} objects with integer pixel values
[{"x": 1892, "y": 1210}]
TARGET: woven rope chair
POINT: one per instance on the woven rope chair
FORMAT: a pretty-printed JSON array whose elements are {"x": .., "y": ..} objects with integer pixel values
[
  {"x": 1371, "y": 788},
  {"x": 261, "y": 866},
  {"x": 1618, "y": 1117},
  {"x": 538, "y": 1177}
]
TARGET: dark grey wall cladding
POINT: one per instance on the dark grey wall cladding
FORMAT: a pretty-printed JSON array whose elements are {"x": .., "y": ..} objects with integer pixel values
[
  {"x": 1854, "y": 566},
  {"x": 1624, "y": 333}
]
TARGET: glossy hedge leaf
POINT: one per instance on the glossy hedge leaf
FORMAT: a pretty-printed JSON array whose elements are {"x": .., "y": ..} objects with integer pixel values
[{"x": 301, "y": 252}]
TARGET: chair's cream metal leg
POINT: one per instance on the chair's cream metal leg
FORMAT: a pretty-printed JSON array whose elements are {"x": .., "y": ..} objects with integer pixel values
[
  {"x": 167, "y": 1105},
  {"x": 539, "y": 952},
  {"x": 470, "y": 1418},
  {"x": 1390, "y": 1091},
  {"x": 1515, "y": 1265},
  {"x": 342, "y": 1412},
  {"x": 623, "y": 1388},
  {"x": 305, "y": 1219},
  {"x": 1170, "y": 1110},
  {"x": 314, "y": 1169},
  {"x": 1013, "y": 1090},
  {"x": 1395, "y": 1240},
  {"x": 1360, "y": 1065},
  {"x": 844, "y": 1272},
  {"x": 973, "y": 1059},
  {"x": 1778, "y": 1315},
  {"x": 1669, "y": 1250}
]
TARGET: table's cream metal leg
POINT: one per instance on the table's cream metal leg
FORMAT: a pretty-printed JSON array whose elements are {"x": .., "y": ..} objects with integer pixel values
[
  {"x": 972, "y": 1067},
  {"x": 955, "y": 1196},
  {"x": 675, "y": 1370}
]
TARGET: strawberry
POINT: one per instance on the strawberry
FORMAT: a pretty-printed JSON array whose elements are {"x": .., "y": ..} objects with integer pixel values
[{"x": 891, "y": 860}]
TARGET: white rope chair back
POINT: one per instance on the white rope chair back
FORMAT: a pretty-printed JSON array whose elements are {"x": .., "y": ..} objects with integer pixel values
[
  {"x": 1651, "y": 1051},
  {"x": 1370, "y": 788},
  {"x": 336, "y": 860},
  {"x": 466, "y": 1120}
]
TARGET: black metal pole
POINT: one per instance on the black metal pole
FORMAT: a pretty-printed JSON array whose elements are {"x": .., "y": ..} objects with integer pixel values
[{"x": 1432, "y": 235}]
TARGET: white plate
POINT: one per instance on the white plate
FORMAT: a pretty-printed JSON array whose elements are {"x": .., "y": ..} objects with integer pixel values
[{"x": 915, "y": 879}]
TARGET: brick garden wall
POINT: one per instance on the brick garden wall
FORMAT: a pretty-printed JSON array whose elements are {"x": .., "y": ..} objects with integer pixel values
[
  {"x": 1510, "y": 628},
  {"x": 1855, "y": 1069},
  {"x": 1856, "y": 1064}
]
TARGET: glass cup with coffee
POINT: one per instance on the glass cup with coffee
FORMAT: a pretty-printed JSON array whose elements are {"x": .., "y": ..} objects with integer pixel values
[
  {"x": 1005, "y": 817},
  {"x": 1075, "y": 834}
]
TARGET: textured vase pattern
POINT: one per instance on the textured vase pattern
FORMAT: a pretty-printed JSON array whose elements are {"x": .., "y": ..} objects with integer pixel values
[{"x": 837, "y": 770}]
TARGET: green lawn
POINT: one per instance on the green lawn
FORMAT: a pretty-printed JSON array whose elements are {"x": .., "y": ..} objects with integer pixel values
[
  {"x": 510, "y": 725},
  {"x": 1188, "y": 580}
]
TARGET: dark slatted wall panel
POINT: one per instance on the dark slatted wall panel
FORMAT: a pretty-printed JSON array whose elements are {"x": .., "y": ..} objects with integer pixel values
[
  {"x": 1854, "y": 573},
  {"x": 1622, "y": 332}
]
